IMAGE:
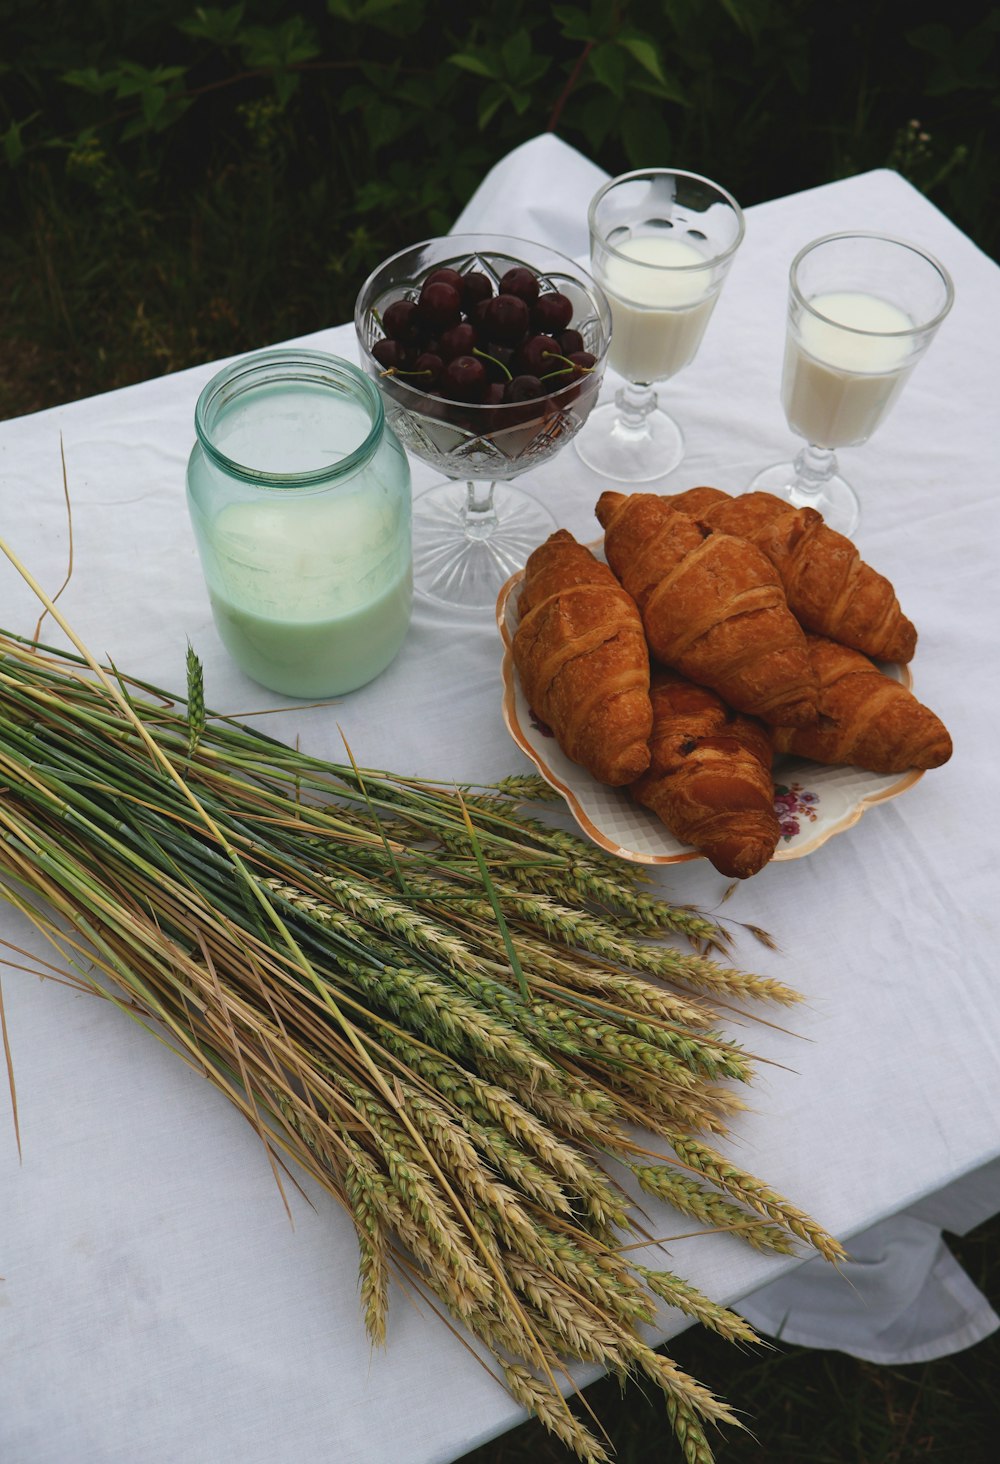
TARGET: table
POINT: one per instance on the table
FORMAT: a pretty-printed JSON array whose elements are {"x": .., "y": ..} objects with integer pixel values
[{"x": 155, "y": 1301}]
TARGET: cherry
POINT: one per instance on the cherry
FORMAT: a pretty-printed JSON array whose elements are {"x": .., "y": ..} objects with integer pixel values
[
  {"x": 427, "y": 369},
  {"x": 440, "y": 306},
  {"x": 505, "y": 319},
  {"x": 497, "y": 360},
  {"x": 552, "y": 313},
  {"x": 523, "y": 389},
  {"x": 570, "y": 341},
  {"x": 521, "y": 282},
  {"x": 389, "y": 353},
  {"x": 464, "y": 379},
  {"x": 536, "y": 356},
  {"x": 495, "y": 394},
  {"x": 445, "y": 276},
  {"x": 476, "y": 288},
  {"x": 460, "y": 340},
  {"x": 399, "y": 320}
]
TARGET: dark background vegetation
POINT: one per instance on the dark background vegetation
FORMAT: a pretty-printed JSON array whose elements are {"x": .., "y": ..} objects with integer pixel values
[
  {"x": 806, "y": 1407},
  {"x": 180, "y": 183}
]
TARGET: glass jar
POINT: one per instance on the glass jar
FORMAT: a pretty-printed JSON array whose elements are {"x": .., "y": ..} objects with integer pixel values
[{"x": 299, "y": 494}]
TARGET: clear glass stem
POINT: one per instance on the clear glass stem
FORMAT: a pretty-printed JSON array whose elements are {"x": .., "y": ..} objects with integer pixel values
[
  {"x": 635, "y": 401},
  {"x": 479, "y": 515},
  {"x": 814, "y": 467}
]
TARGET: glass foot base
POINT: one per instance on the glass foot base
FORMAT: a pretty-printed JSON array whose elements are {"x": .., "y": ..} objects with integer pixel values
[
  {"x": 464, "y": 559},
  {"x": 628, "y": 454},
  {"x": 836, "y": 500}
]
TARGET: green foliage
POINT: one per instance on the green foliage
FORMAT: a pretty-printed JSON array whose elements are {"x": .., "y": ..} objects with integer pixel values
[{"x": 182, "y": 182}]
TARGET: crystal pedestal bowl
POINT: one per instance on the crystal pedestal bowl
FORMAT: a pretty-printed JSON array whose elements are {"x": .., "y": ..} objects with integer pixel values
[{"x": 474, "y": 529}]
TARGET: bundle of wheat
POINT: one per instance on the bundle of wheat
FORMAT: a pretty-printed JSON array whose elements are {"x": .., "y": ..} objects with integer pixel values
[{"x": 452, "y": 1015}]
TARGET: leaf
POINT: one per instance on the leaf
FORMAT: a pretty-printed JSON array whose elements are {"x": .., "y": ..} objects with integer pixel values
[
  {"x": 736, "y": 15},
  {"x": 385, "y": 74},
  {"x": 797, "y": 67},
  {"x": 645, "y": 133},
  {"x": 221, "y": 27},
  {"x": 608, "y": 65},
  {"x": 153, "y": 99},
  {"x": 933, "y": 38},
  {"x": 645, "y": 53},
  {"x": 13, "y": 146},
  {"x": 133, "y": 80},
  {"x": 575, "y": 24},
  {"x": 494, "y": 899},
  {"x": 358, "y": 98},
  {"x": 516, "y": 53},
  {"x": 475, "y": 64},
  {"x": 91, "y": 80},
  {"x": 383, "y": 124},
  {"x": 285, "y": 85},
  {"x": 490, "y": 100},
  {"x": 376, "y": 194},
  {"x": 135, "y": 128},
  {"x": 287, "y": 44},
  {"x": 371, "y": 8},
  {"x": 600, "y": 115}
]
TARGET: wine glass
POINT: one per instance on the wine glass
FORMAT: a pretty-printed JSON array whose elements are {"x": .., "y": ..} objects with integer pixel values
[
  {"x": 661, "y": 243},
  {"x": 475, "y": 529},
  {"x": 862, "y": 310}
]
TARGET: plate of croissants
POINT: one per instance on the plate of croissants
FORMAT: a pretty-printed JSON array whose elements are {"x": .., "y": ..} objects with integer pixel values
[{"x": 720, "y": 677}]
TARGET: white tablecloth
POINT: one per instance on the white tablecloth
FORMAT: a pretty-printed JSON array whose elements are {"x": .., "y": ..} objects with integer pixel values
[{"x": 155, "y": 1303}]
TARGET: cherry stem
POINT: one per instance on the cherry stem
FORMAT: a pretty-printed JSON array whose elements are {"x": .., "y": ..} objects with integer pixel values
[
  {"x": 570, "y": 366},
  {"x": 487, "y": 357}
]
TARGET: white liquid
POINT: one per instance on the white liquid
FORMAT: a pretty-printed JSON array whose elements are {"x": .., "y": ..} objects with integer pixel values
[
  {"x": 837, "y": 385},
  {"x": 312, "y": 597},
  {"x": 658, "y": 314}
]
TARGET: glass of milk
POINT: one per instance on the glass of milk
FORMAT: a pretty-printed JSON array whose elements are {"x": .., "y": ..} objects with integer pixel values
[
  {"x": 299, "y": 495},
  {"x": 862, "y": 310},
  {"x": 661, "y": 243}
]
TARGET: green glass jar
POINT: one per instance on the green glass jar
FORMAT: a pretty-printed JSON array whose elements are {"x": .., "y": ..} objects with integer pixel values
[{"x": 299, "y": 494}]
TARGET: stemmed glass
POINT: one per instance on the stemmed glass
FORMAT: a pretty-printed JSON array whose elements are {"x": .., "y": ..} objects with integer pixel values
[
  {"x": 862, "y": 310},
  {"x": 661, "y": 243},
  {"x": 475, "y": 529}
]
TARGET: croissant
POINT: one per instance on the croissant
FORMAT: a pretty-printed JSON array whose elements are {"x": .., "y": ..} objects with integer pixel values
[
  {"x": 709, "y": 777},
  {"x": 865, "y": 718},
  {"x": 582, "y": 658},
  {"x": 829, "y": 587},
  {"x": 712, "y": 606}
]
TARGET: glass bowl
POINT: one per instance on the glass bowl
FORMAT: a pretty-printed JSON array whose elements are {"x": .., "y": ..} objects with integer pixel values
[{"x": 472, "y": 531}]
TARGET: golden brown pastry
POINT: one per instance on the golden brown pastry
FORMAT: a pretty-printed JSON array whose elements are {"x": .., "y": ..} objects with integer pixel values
[
  {"x": 709, "y": 777},
  {"x": 712, "y": 606},
  {"x": 866, "y": 719},
  {"x": 829, "y": 587},
  {"x": 583, "y": 662}
]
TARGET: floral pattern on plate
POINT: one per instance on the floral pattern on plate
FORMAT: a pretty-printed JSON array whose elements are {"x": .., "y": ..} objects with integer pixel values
[{"x": 792, "y": 802}]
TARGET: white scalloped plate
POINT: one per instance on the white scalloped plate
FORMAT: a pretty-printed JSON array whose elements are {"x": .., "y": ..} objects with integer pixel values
[{"x": 813, "y": 801}]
